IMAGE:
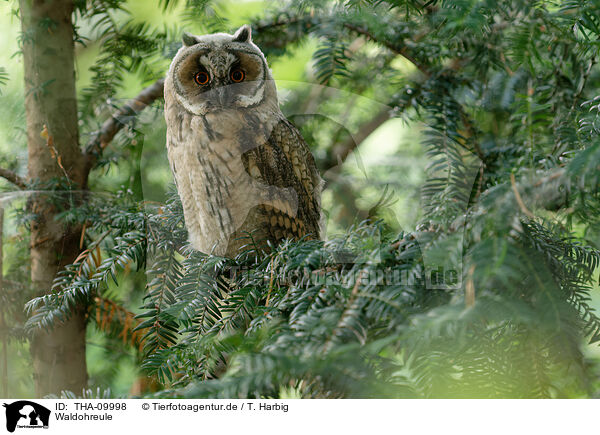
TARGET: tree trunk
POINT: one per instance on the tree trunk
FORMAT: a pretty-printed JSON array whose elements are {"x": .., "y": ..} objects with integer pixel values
[{"x": 54, "y": 154}]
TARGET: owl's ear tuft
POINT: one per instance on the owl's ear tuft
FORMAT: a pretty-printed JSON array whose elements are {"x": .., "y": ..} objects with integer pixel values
[
  {"x": 189, "y": 39},
  {"x": 243, "y": 34}
]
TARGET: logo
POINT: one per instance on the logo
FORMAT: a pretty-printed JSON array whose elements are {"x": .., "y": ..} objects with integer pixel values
[{"x": 26, "y": 414}]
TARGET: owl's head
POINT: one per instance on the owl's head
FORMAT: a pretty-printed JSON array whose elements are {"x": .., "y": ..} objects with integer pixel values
[{"x": 221, "y": 72}]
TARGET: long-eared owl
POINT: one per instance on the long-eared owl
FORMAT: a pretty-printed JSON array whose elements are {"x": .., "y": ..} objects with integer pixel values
[{"x": 243, "y": 171}]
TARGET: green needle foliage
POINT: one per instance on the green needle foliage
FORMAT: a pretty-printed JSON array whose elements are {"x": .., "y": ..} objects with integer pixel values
[
  {"x": 3, "y": 77},
  {"x": 507, "y": 91}
]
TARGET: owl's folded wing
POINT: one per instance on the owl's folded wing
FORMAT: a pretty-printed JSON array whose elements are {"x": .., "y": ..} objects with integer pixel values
[{"x": 285, "y": 161}]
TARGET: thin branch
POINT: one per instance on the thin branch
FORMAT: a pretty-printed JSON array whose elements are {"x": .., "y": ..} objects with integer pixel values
[
  {"x": 520, "y": 202},
  {"x": 470, "y": 288},
  {"x": 117, "y": 121},
  {"x": 401, "y": 50},
  {"x": 557, "y": 174},
  {"x": 338, "y": 153},
  {"x": 271, "y": 25},
  {"x": 13, "y": 178}
]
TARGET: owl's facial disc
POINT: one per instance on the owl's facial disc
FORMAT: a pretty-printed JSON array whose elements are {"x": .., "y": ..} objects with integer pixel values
[{"x": 211, "y": 77}]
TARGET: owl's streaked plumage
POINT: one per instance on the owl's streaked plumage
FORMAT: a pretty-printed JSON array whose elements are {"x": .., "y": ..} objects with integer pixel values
[{"x": 241, "y": 168}]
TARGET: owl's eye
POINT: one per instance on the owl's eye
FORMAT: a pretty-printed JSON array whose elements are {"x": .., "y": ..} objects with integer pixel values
[
  {"x": 201, "y": 78},
  {"x": 237, "y": 75}
]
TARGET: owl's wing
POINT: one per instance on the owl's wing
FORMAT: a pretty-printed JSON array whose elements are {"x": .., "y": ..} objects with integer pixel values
[{"x": 285, "y": 161}]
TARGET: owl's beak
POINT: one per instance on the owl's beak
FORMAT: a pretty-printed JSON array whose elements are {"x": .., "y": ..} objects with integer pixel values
[{"x": 222, "y": 97}]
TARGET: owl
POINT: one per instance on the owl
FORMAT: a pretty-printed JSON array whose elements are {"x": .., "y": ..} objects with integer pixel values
[{"x": 243, "y": 172}]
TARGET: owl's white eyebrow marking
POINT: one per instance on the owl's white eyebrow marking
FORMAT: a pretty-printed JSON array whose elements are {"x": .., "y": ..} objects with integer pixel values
[
  {"x": 205, "y": 62},
  {"x": 191, "y": 52}
]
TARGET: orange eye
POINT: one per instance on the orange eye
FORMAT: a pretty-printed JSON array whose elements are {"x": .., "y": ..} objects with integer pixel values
[
  {"x": 201, "y": 78},
  {"x": 237, "y": 75}
]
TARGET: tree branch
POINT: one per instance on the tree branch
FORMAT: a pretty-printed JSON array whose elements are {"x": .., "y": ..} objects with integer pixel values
[
  {"x": 401, "y": 50},
  {"x": 13, "y": 178},
  {"x": 117, "y": 121},
  {"x": 338, "y": 153}
]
